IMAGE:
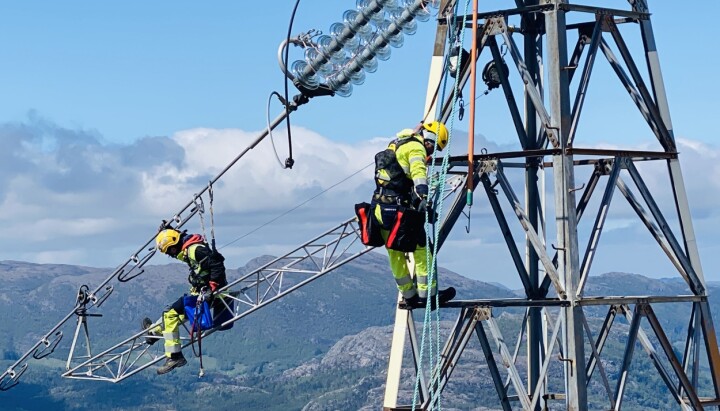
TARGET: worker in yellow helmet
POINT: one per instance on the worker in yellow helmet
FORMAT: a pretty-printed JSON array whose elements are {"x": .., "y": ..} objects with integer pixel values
[
  {"x": 398, "y": 208},
  {"x": 207, "y": 274}
]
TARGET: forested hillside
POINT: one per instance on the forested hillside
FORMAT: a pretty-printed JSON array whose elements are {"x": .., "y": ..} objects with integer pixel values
[{"x": 324, "y": 347}]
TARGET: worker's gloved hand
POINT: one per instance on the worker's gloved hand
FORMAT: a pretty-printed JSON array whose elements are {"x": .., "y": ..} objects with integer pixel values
[
  {"x": 422, "y": 206},
  {"x": 419, "y": 195},
  {"x": 206, "y": 294},
  {"x": 164, "y": 225},
  {"x": 425, "y": 208},
  {"x": 214, "y": 286},
  {"x": 421, "y": 190}
]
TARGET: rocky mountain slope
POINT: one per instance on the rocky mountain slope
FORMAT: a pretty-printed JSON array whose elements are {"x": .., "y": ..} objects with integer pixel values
[{"x": 324, "y": 347}]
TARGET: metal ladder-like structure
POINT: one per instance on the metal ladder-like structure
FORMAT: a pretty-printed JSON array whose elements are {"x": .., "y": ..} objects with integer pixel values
[
  {"x": 90, "y": 299},
  {"x": 259, "y": 288},
  {"x": 269, "y": 283},
  {"x": 243, "y": 296},
  {"x": 555, "y": 330}
]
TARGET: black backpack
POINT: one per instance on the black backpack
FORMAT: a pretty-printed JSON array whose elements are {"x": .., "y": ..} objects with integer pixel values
[{"x": 390, "y": 179}]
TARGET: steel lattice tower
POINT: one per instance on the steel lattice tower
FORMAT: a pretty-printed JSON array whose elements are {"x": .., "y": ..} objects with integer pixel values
[
  {"x": 551, "y": 80},
  {"x": 554, "y": 82}
]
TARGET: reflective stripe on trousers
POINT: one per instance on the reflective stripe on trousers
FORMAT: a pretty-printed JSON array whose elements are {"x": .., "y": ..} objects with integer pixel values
[
  {"x": 399, "y": 267},
  {"x": 171, "y": 331},
  {"x": 401, "y": 273}
]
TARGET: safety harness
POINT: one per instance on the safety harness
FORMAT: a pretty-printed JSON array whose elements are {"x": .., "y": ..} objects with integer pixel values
[
  {"x": 193, "y": 239},
  {"x": 392, "y": 185},
  {"x": 195, "y": 278},
  {"x": 393, "y": 193}
]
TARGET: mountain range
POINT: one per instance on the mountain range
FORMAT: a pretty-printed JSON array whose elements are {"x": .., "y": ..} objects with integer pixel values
[{"x": 323, "y": 347}]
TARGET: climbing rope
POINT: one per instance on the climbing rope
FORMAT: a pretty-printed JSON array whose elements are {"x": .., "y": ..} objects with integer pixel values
[
  {"x": 196, "y": 329},
  {"x": 438, "y": 182},
  {"x": 212, "y": 218},
  {"x": 200, "y": 207}
]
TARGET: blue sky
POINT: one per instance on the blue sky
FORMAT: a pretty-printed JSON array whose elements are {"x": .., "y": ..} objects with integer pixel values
[
  {"x": 135, "y": 69},
  {"x": 115, "y": 113}
]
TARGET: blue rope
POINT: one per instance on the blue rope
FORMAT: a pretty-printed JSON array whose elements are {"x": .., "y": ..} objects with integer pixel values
[{"x": 431, "y": 262}]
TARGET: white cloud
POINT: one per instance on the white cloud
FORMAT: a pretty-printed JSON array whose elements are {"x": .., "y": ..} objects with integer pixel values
[
  {"x": 71, "y": 199},
  {"x": 256, "y": 182},
  {"x": 46, "y": 229},
  {"x": 64, "y": 256},
  {"x": 619, "y": 223},
  {"x": 68, "y": 198}
]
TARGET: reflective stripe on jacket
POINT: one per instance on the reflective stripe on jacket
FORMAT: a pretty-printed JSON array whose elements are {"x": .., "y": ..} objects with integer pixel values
[
  {"x": 205, "y": 265},
  {"x": 412, "y": 158}
]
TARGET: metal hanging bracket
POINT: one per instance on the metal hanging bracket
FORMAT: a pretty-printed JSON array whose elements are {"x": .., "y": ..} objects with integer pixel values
[
  {"x": 14, "y": 378},
  {"x": 49, "y": 346}
]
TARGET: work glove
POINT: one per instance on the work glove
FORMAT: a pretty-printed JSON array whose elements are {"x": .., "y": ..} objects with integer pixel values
[
  {"x": 207, "y": 293},
  {"x": 422, "y": 206},
  {"x": 421, "y": 190},
  {"x": 210, "y": 290},
  {"x": 164, "y": 225},
  {"x": 419, "y": 196}
]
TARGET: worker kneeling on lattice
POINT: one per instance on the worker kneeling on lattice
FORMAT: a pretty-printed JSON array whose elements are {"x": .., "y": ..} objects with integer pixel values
[
  {"x": 396, "y": 215},
  {"x": 207, "y": 274}
]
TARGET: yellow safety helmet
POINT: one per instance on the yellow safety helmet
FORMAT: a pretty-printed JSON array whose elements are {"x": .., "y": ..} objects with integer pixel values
[
  {"x": 440, "y": 131},
  {"x": 166, "y": 239}
]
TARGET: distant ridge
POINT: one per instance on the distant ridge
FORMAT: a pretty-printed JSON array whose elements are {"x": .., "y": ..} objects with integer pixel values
[{"x": 323, "y": 347}]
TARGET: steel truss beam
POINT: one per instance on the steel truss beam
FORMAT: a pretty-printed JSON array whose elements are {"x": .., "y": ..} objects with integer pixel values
[
  {"x": 264, "y": 285},
  {"x": 610, "y": 167},
  {"x": 88, "y": 300},
  {"x": 548, "y": 136},
  {"x": 252, "y": 291},
  {"x": 476, "y": 316}
]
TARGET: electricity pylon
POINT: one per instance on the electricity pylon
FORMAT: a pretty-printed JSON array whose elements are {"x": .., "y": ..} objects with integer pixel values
[{"x": 552, "y": 79}]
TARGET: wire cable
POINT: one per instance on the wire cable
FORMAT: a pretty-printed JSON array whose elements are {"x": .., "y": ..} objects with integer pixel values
[
  {"x": 289, "y": 161},
  {"x": 296, "y": 207},
  {"x": 267, "y": 119}
]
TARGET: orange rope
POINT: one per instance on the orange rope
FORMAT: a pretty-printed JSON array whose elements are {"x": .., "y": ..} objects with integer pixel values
[{"x": 473, "y": 75}]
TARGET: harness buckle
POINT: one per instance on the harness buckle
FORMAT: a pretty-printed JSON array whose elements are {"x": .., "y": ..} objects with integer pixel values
[{"x": 388, "y": 198}]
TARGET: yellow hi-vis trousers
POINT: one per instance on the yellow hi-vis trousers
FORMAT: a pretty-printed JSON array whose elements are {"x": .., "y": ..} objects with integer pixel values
[
  {"x": 171, "y": 331},
  {"x": 399, "y": 267}
]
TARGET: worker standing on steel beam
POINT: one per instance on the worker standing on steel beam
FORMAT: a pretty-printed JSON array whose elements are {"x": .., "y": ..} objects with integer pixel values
[
  {"x": 395, "y": 217},
  {"x": 207, "y": 274}
]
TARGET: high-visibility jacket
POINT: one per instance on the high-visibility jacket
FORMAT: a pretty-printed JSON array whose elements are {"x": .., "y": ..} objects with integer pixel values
[
  {"x": 205, "y": 264},
  {"x": 410, "y": 155}
]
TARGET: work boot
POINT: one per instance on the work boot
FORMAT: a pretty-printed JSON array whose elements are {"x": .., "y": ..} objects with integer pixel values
[
  {"x": 174, "y": 361},
  {"x": 444, "y": 296},
  {"x": 145, "y": 324},
  {"x": 412, "y": 302}
]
